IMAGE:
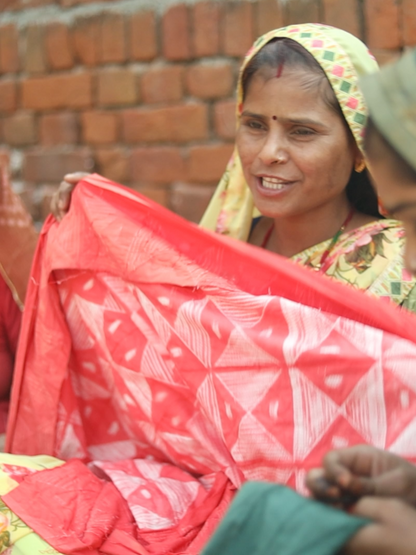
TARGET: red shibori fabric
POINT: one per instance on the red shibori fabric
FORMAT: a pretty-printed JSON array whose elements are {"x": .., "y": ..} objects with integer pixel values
[{"x": 180, "y": 364}]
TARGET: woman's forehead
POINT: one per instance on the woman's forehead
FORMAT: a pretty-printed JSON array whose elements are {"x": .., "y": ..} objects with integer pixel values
[{"x": 298, "y": 88}]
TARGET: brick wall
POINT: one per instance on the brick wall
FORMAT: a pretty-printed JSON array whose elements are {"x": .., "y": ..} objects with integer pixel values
[{"x": 143, "y": 92}]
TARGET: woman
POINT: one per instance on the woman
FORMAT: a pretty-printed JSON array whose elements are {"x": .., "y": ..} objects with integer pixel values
[
  {"x": 385, "y": 482},
  {"x": 297, "y": 183}
]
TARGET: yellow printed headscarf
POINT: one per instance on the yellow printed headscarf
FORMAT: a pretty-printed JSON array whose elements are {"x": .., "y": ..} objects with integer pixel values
[{"x": 344, "y": 59}]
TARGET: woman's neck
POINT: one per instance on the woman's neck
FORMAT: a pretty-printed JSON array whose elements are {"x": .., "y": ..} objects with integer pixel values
[{"x": 297, "y": 233}]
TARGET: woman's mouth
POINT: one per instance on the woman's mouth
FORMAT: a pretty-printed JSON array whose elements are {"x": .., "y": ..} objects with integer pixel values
[{"x": 273, "y": 184}]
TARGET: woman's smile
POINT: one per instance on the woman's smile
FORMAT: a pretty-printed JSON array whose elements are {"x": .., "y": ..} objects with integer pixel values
[{"x": 272, "y": 186}]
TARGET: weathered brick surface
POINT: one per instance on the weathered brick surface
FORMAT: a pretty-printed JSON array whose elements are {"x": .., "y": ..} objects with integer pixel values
[
  {"x": 162, "y": 84},
  {"x": 206, "y": 164},
  {"x": 9, "y": 49},
  {"x": 157, "y": 165},
  {"x": 114, "y": 163},
  {"x": 58, "y": 129},
  {"x": 179, "y": 124},
  {"x": 206, "y": 22},
  {"x": 409, "y": 22},
  {"x": 117, "y": 87},
  {"x": 59, "y": 52},
  {"x": 19, "y": 130},
  {"x": 210, "y": 81},
  {"x": 302, "y": 11},
  {"x": 86, "y": 40},
  {"x": 8, "y": 95},
  {"x": 34, "y": 49},
  {"x": 143, "y": 38},
  {"x": 100, "y": 127},
  {"x": 225, "y": 119},
  {"x": 60, "y": 91},
  {"x": 158, "y": 194},
  {"x": 268, "y": 16},
  {"x": 113, "y": 39},
  {"x": 190, "y": 201},
  {"x": 382, "y": 24},
  {"x": 344, "y": 15},
  {"x": 176, "y": 33},
  {"x": 51, "y": 166},
  {"x": 238, "y": 28}
]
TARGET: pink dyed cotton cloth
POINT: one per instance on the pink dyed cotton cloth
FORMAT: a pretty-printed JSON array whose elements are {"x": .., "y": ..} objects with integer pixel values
[{"x": 180, "y": 364}]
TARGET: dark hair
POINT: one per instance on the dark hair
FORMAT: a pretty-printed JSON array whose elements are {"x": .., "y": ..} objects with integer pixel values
[
  {"x": 377, "y": 146},
  {"x": 285, "y": 52}
]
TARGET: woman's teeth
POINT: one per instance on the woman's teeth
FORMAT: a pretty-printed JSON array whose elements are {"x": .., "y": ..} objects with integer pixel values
[{"x": 271, "y": 183}]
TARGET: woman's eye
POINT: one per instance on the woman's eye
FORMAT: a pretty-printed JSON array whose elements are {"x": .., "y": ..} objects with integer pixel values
[
  {"x": 303, "y": 132},
  {"x": 254, "y": 124}
]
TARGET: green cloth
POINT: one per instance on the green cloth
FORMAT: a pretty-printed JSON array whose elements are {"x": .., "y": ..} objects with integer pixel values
[
  {"x": 268, "y": 519},
  {"x": 391, "y": 98}
]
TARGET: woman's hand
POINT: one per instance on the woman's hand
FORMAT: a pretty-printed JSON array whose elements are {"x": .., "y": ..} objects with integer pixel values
[
  {"x": 61, "y": 200},
  {"x": 354, "y": 472},
  {"x": 393, "y": 531}
]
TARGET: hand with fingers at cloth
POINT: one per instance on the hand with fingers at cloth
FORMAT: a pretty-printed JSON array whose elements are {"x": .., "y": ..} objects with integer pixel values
[
  {"x": 61, "y": 200},
  {"x": 374, "y": 484}
]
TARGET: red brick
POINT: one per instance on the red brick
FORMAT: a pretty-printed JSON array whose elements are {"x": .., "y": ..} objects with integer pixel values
[
  {"x": 382, "y": 24},
  {"x": 385, "y": 56},
  {"x": 117, "y": 87},
  {"x": 157, "y": 165},
  {"x": 58, "y": 129},
  {"x": 8, "y": 95},
  {"x": 269, "y": 16},
  {"x": 86, "y": 40},
  {"x": 9, "y": 50},
  {"x": 113, "y": 38},
  {"x": 34, "y": 49},
  {"x": 113, "y": 163},
  {"x": 100, "y": 127},
  {"x": 210, "y": 81},
  {"x": 302, "y": 11},
  {"x": 162, "y": 84},
  {"x": 143, "y": 39},
  {"x": 179, "y": 124},
  {"x": 71, "y": 90},
  {"x": 409, "y": 22},
  {"x": 206, "y": 164},
  {"x": 238, "y": 33},
  {"x": 50, "y": 166},
  {"x": 206, "y": 28},
  {"x": 19, "y": 130},
  {"x": 190, "y": 201},
  {"x": 70, "y": 3},
  {"x": 344, "y": 15},
  {"x": 225, "y": 119},
  {"x": 157, "y": 194},
  {"x": 58, "y": 47},
  {"x": 176, "y": 33}
]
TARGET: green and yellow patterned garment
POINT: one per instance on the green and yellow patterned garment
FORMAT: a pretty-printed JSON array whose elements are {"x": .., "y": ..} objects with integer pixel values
[{"x": 369, "y": 258}]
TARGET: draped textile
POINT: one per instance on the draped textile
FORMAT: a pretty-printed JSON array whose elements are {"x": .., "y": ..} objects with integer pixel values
[{"x": 178, "y": 364}]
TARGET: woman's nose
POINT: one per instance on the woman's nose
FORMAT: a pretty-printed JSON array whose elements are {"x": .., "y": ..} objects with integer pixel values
[{"x": 273, "y": 151}]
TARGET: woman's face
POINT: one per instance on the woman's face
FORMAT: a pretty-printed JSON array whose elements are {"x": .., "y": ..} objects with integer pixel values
[{"x": 297, "y": 153}]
